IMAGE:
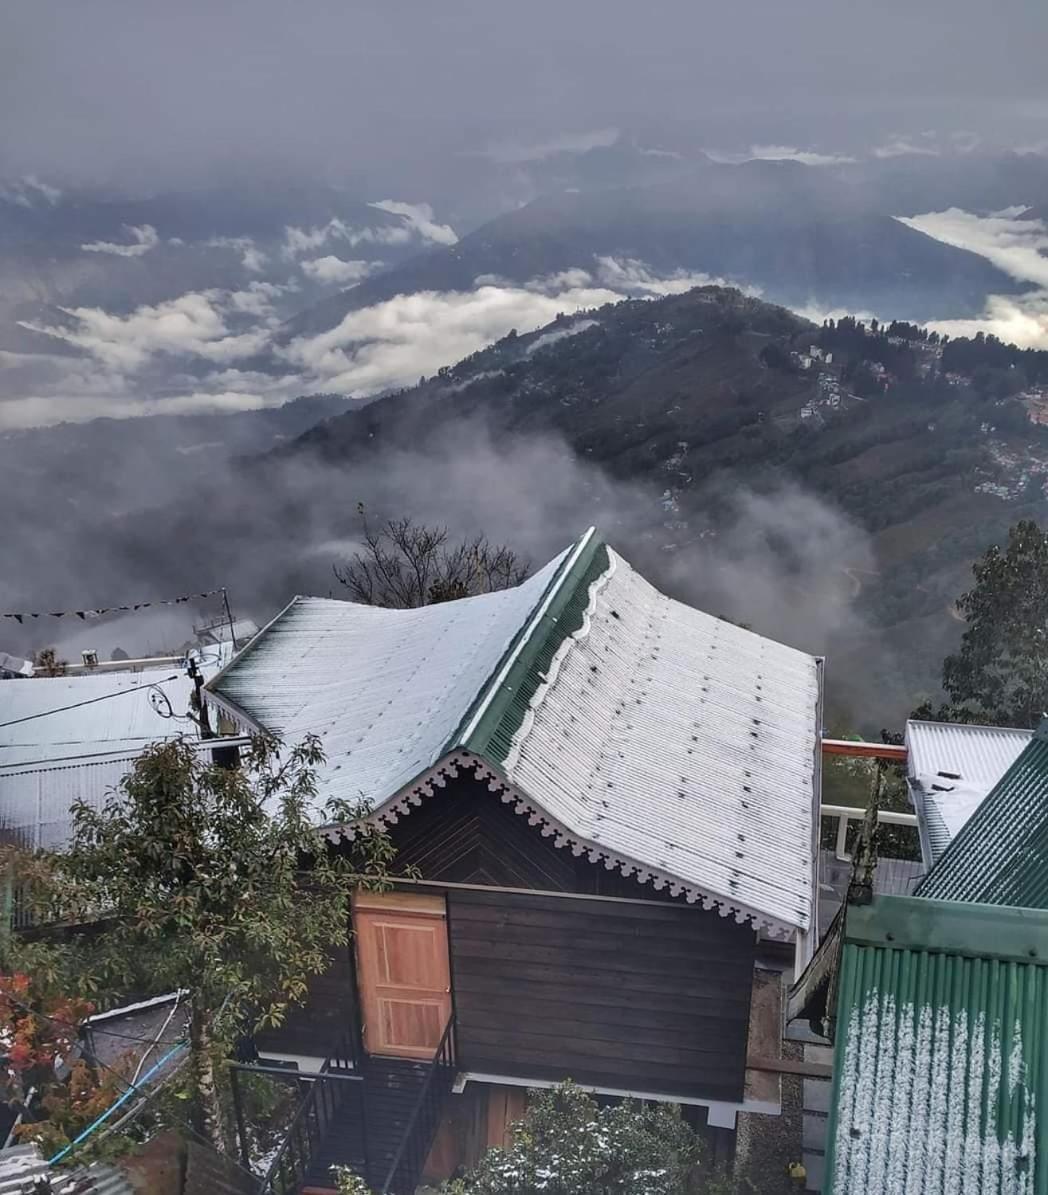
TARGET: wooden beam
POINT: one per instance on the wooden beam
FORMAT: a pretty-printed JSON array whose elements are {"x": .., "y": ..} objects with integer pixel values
[
  {"x": 896, "y": 753},
  {"x": 786, "y": 1066}
]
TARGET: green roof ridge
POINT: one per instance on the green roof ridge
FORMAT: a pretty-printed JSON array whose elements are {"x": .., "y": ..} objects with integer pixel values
[
  {"x": 1000, "y": 856},
  {"x": 502, "y": 704}
]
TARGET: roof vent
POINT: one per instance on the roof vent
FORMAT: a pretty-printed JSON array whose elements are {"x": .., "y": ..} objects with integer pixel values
[{"x": 90, "y": 659}]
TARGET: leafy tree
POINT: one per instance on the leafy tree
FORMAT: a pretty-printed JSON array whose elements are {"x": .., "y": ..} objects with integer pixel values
[
  {"x": 1000, "y": 674},
  {"x": 566, "y": 1144},
  {"x": 47, "y": 663},
  {"x": 211, "y": 879},
  {"x": 404, "y": 564},
  {"x": 56, "y": 1092}
]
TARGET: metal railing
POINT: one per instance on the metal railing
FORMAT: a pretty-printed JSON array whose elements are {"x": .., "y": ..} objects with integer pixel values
[
  {"x": 846, "y": 813},
  {"x": 313, "y": 1120},
  {"x": 406, "y": 1167}
]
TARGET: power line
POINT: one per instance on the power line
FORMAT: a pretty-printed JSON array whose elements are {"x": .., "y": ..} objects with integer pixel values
[{"x": 90, "y": 701}]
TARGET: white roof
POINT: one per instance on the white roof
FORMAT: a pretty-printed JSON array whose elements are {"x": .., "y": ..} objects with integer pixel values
[
  {"x": 684, "y": 742},
  {"x": 951, "y": 769},
  {"x": 676, "y": 745},
  {"x": 385, "y": 690},
  {"x": 69, "y": 738}
]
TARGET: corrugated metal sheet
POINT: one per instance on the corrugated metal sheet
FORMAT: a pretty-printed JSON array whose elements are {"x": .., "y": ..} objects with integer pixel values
[
  {"x": 674, "y": 743},
  {"x": 384, "y": 689},
  {"x": 1001, "y": 856},
  {"x": 35, "y": 801},
  {"x": 941, "y": 1069},
  {"x": 22, "y": 1169},
  {"x": 683, "y": 742},
  {"x": 951, "y": 769}
]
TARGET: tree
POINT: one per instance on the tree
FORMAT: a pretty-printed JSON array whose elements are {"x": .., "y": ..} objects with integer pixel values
[
  {"x": 42, "y": 1078},
  {"x": 211, "y": 879},
  {"x": 1000, "y": 675},
  {"x": 404, "y": 564},
  {"x": 47, "y": 663},
  {"x": 567, "y": 1145}
]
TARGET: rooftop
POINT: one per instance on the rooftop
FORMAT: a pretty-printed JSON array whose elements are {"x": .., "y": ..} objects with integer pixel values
[
  {"x": 940, "y": 1075},
  {"x": 951, "y": 769},
  {"x": 667, "y": 742},
  {"x": 1001, "y": 855}
]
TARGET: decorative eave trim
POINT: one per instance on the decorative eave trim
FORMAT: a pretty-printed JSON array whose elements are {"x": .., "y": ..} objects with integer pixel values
[
  {"x": 402, "y": 804},
  {"x": 241, "y": 718}
]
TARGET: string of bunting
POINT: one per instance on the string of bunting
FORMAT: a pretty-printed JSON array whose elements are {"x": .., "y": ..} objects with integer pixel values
[{"x": 85, "y": 614}]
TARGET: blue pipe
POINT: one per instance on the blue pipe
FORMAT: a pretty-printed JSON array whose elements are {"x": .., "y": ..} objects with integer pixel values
[{"x": 113, "y": 1107}]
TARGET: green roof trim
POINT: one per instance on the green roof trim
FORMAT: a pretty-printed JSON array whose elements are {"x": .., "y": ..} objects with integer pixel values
[
  {"x": 503, "y": 703},
  {"x": 1000, "y": 857},
  {"x": 941, "y": 1063}
]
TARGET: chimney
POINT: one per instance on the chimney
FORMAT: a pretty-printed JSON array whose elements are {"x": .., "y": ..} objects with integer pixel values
[{"x": 90, "y": 659}]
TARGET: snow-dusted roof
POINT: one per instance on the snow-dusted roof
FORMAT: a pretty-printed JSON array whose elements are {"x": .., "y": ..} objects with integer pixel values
[
  {"x": 69, "y": 738},
  {"x": 940, "y": 1070},
  {"x": 669, "y": 743},
  {"x": 385, "y": 690},
  {"x": 951, "y": 768}
]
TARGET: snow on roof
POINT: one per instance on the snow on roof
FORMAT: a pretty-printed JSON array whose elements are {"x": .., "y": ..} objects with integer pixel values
[
  {"x": 939, "y": 1072},
  {"x": 670, "y": 743},
  {"x": 385, "y": 690},
  {"x": 69, "y": 738},
  {"x": 951, "y": 768},
  {"x": 681, "y": 741}
]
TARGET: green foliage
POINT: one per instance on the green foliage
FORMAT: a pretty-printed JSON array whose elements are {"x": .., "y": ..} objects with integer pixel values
[
  {"x": 1000, "y": 675},
  {"x": 348, "y": 1183},
  {"x": 566, "y": 1143},
  {"x": 211, "y": 879}
]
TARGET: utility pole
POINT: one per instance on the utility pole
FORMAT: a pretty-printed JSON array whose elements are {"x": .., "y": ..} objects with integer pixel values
[{"x": 229, "y": 616}]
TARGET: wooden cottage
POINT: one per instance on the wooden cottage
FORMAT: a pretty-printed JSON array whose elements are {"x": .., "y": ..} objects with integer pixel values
[{"x": 608, "y": 804}]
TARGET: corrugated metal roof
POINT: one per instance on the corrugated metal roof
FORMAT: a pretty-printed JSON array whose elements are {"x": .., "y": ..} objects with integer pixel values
[
  {"x": 385, "y": 690},
  {"x": 941, "y": 1073},
  {"x": 50, "y": 761},
  {"x": 1001, "y": 855},
  {"x": 951, "y": 768},
  {"x": 22, "y": 1169},
  {"x": 675, "y": 744},
  {"x": 681, "y": 741}
]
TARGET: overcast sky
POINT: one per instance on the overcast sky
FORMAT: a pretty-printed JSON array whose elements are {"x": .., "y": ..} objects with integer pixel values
[{"x": 160, "y": 90}]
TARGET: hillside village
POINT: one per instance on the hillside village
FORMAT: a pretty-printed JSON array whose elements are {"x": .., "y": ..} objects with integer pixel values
[{"x": 610, "y": 848}]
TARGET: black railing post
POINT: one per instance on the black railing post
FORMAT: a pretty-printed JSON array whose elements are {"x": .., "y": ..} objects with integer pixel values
[{"x": 238, "y": 1113}]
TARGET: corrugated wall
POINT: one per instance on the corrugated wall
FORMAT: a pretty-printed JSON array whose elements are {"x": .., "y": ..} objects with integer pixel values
[
  {"x": 941, "y": 1075},
  {"x": 1001, "y": 855}
]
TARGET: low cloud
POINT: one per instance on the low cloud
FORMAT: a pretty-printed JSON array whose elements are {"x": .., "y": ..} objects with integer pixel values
[
  {"x": 1012, "y": 243},
  {"x": 419, "y": 217},
  {"x": 334, "y": 271},
  {"x": 1016, "y": 244},
  {"x": 143, "y": 239},
  {"x": 900, "y": 147},
  {"x": 565, "y": 143},
  {"x": 779, "y": 153},
  {"x": 194, "y": 324},
  {"x": 548, "y": 338},
  {"x": 251, "y": 257},
  {"x": 29, "y": 191}
]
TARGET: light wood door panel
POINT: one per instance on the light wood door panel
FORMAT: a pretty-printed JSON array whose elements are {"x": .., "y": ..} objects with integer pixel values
[{"x": 403, "y": 974}]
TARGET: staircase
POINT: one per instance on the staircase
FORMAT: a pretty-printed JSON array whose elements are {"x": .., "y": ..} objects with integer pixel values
[
  {"x": 366, "y": 1132},
  {"x": 379, "y": 1118}
]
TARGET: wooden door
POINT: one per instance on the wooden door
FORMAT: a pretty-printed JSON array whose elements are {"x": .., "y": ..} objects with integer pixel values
[{"x": 402, "y": 972}]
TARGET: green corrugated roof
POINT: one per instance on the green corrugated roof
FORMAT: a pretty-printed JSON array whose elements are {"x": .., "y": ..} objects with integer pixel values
[
  {"x": 1000, "y": 857},
  {"x": 503, "y": 704},
  {"x": 941, "y": 1067}
]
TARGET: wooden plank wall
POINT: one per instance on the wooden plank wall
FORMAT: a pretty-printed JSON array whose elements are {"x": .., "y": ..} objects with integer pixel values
[{"x": 648, "y": 997}]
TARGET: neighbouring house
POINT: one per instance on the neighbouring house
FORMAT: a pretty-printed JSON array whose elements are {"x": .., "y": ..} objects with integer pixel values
[
  {"x": 74, "y": 737},
  {"x": 1000, "y": 857},
  {"x": 951, "y": 768},
  {"x": 940, "y": 1071},
  {"x": 605, "y": 806}
]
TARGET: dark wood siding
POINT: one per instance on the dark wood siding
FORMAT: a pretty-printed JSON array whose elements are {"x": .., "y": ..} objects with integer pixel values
[
  {"x": 318, "y": 1026},
  {"x": 467, "y": 835},
  {"x": 647, "y": 997}
]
